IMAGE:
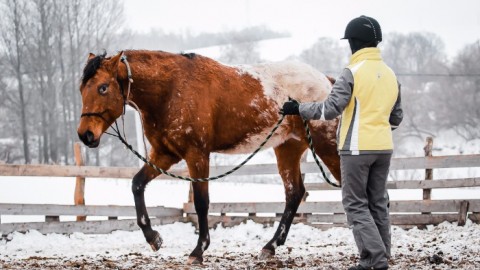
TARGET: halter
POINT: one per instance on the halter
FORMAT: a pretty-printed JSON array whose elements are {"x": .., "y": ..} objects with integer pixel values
[
  {"x": 97, "y": 114},
  {"x": 130, "y": 80}
]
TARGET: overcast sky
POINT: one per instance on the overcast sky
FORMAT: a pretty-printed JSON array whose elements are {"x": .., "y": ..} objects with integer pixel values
[{"x": 456, "y": 22}]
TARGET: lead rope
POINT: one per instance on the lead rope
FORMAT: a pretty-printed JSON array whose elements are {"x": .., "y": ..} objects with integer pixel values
[
  {"x": 310, "y": 144},
  {"x": 129, "y": 147},
  {"x": 309, "y": 138},
  {"x": 117, "y": 134}
]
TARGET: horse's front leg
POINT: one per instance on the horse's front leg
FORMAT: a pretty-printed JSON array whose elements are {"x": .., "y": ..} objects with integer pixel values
[
  {"x": 140, "y": 181},
  {"x": 199, "y": 168},
  {"x": 288, "y": 161}
]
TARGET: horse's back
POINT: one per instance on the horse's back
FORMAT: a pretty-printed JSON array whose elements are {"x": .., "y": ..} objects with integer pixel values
[
  {"x": 258, "y": 104},
  {"x": 281, "y": 80}
]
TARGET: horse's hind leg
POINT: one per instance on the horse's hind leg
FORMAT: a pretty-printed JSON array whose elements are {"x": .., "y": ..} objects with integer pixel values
[
  {"x": 198, "y": 166},
  {"x": 288, "y": 161},
  {"x": 140, "y": 181},
  {"x": 201, "y": 201}
]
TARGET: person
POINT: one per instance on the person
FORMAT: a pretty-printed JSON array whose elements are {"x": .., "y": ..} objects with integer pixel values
[{"x": 367, "y": 96}]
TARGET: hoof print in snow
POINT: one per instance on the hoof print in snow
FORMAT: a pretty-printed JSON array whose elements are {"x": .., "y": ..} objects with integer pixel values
[{"x": 435, "y": 259}]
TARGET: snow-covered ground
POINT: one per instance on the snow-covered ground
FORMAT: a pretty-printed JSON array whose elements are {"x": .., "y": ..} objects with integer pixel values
[{"x": 446, "y": 246}]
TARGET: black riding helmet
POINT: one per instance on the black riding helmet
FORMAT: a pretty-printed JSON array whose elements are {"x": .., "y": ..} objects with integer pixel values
[{"x": 365, "y": 29}]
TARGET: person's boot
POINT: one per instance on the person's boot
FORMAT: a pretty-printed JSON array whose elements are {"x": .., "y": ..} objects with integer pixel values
[{"x": 359, "y": 267}]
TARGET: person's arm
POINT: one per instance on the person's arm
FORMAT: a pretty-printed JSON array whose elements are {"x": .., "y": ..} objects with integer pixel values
[
  {"x": 396, "y": 116},
  {"x": 335, "y": 103}
]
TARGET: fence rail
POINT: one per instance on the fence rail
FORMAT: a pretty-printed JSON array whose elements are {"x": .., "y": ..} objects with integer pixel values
[
  {"x": 415, "y": 206},
  {"x": 319, "y": 214},
  {"x": 413, "y": 184},
  {"x": 83, "y": 210},
  {"x": 415, "y": 163}
]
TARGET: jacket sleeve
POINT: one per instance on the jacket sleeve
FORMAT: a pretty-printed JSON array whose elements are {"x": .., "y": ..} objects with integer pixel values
[
  {"x": 396, "y": 116},
  {"x": 335, "y": 103}
]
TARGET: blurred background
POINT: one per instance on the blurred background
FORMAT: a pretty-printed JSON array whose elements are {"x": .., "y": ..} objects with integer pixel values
[{"x": 433, "y": 46}]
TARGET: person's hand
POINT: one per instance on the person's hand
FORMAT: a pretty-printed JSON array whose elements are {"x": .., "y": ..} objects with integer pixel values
[{"x": 290, "y": 108}]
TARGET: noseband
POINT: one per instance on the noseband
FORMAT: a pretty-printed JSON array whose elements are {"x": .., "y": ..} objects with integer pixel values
[{"x": 97, "y": 114}]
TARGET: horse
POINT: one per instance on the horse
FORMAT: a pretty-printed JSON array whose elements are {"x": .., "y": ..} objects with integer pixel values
[{"x": 191, "y": 106}]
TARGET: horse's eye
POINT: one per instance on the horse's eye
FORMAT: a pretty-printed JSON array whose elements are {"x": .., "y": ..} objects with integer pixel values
[{"x": 103, "y": 89}]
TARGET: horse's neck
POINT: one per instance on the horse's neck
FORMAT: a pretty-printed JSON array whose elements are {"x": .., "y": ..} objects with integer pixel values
[
  {"x": 152, "y": 73},
  {"x": 149, "y": 67}
]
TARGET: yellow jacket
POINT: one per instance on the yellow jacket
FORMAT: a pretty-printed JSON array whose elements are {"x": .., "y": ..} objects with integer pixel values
[{"x": 367, "y": 95}]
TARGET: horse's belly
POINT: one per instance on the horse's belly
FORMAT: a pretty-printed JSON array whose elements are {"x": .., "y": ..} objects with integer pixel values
[{"x": 253, "y": 141}]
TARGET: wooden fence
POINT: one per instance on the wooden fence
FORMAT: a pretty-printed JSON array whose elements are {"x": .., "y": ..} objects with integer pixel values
[{"x": 318, "y": 214}]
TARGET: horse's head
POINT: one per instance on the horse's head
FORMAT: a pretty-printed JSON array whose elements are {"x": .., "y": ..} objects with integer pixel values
[{"x": 102, "y": 97}]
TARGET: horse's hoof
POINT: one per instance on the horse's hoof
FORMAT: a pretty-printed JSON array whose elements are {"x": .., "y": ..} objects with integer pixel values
[
  {"x": 266, "y": 254},
  {"x": 156, "y": 242},
  {"x": 194, "y": 260}
]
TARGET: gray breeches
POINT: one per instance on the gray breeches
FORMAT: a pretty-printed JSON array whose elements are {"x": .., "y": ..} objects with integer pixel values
[{"x": 366, "y": 203}]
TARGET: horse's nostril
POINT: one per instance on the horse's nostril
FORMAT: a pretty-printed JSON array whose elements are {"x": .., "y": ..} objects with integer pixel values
[
  {"x": 86, "y": 137},
  {"x": 89, "y": 136}
]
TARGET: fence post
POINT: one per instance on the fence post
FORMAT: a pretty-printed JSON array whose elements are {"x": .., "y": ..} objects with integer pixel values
[
  {"x": 462, "y": 213},
  {"x": 79, "y": 196},
  {"x": 427, "y": 193}
]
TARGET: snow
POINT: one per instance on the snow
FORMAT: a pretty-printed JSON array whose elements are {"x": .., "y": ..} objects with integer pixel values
[
  {"x": 456, "y": 245},
  {"x": 306, "y": 247}
]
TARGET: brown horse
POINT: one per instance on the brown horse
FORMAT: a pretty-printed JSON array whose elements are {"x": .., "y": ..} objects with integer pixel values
[{"x": 192, "y": 106}]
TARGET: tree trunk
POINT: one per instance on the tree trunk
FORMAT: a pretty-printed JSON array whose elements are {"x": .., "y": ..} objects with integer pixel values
[{"x": 18, "y": 71}]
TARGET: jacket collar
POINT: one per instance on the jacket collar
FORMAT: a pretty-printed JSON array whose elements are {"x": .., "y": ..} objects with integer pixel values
[{"x": 366, "y": 54}]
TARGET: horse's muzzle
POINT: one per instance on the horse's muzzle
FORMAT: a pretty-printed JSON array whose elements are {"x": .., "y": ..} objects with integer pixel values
[{"x": 88, "y": 138}]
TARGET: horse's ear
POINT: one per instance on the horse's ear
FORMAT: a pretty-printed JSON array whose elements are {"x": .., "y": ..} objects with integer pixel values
[
  {"x": 91, "y": 56},
  {"x": 112, "y": 64}
]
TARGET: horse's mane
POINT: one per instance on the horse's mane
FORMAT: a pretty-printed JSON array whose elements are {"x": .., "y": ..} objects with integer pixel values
[
  {"x": 92, "y": 66},
  {"x": 188, "y": 55}
]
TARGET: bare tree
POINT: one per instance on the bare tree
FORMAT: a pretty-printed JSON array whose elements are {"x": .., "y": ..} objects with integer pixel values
[
  {"x": 43, "y": 46},
  {"x": 240, "y": 53},
  {"x": 327, "y": 55},
  {"x": 13, "y": 39},
  {"x": 460, "y": 95},
  {"x": 60, "y": 46},
  {"x": 42, "y": 51},
  {"x": 417, "y": 59}
]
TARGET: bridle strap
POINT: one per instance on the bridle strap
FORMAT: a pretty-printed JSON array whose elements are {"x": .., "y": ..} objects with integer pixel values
[
  {"x": 129, "y": 71},
  {"x": 95, "y": 114},
  {"x": 127, "y": 101},
  {"x": 129, "y": 76}
]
